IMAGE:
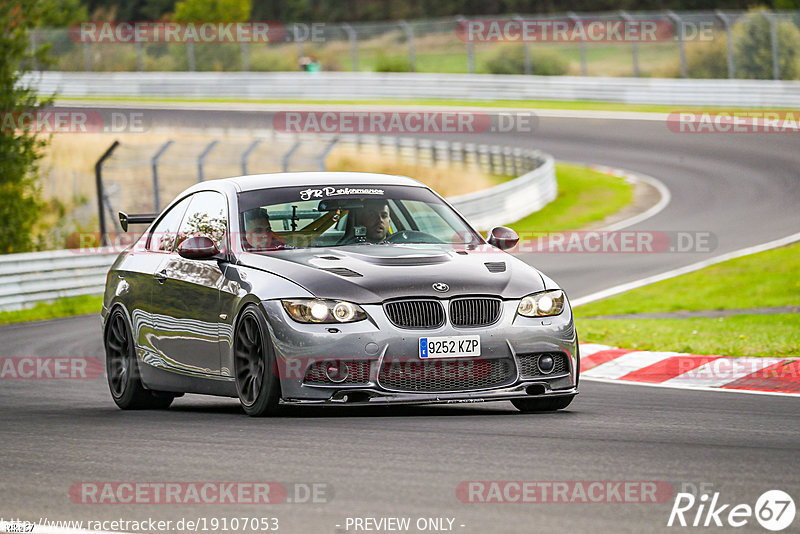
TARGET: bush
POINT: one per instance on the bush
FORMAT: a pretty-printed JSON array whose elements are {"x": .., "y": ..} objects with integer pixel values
[
  {"x": 510, "y": 59},
  {"x": 384, "y": 63},
  {"x": 752, "y": 42},
  {"x": 707, "y": 60}
]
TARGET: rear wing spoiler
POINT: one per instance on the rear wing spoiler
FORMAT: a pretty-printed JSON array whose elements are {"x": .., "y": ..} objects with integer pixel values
[{"x": 135, "y": 218}]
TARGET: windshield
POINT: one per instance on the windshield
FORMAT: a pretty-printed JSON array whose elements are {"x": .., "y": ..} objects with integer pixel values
[{"x": 301, "y": 217}]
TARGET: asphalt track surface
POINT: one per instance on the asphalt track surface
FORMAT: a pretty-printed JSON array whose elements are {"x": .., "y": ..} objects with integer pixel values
[{"x": 407, "y": 462}]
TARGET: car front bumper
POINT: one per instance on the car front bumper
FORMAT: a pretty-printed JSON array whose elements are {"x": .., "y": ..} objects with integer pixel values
[{"x": 375, "y": 343}]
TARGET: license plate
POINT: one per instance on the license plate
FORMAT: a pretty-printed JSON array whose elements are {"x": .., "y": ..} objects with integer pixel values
[{"x": 449, "y": 346}]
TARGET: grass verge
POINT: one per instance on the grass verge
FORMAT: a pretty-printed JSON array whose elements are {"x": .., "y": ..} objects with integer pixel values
[
  {"x": 584, "y": 197},
  {"x": 765, "y": 279},
  {"x": 65, "y": 307},
  {"x": 738, "y": 335},
  {"x": 760, "y": 280}
]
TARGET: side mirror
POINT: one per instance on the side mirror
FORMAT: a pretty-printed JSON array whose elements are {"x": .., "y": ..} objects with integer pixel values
[
  {"x": 503, "y": 238},
  {"x": 198, "y": 248}
]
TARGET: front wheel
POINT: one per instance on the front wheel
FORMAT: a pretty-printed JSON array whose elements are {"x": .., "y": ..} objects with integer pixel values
[
  {"x": 255, "y": 367},
  {"x": 122, "y": 369},
  {"x": 542, "y": 405}
]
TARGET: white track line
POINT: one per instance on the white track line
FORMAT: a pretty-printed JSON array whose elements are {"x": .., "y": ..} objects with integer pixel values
[
  {"x": 686, "y": 269},
  {"x": 692, "y": 388}
]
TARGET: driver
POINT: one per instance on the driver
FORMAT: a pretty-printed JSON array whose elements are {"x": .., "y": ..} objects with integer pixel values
[
  {"x": 374, "y": 216},
  {"x": 258, "y": 232}
]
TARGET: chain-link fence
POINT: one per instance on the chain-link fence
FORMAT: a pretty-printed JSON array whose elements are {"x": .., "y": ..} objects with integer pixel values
[{"x": 701, "y": 44}]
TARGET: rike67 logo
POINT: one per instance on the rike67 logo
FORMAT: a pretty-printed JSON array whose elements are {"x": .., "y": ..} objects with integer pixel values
[{"x": 774, "y": 510}]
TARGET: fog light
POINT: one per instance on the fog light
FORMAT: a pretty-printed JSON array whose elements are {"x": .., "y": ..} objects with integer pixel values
[
  {"x": 336, "y": 372},
  {"x": 546, "y": 364}
]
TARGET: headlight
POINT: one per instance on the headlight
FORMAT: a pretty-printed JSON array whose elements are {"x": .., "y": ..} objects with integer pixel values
[
  {"x": 323, "y": 311},
  {"x": 542, "y": 304}
]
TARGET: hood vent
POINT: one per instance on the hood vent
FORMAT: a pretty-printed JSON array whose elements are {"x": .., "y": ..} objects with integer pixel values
[
  {"x": 343, "y": 271},
  {"x": 329, "y": 257},
  {"x": 496, "y": 266}
]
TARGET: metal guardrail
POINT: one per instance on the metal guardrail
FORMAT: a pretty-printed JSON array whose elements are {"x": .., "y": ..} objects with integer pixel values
[
  {"x": 28, "y": 278},
  {"x": 360, "y": 86},
  {"x": 511, "y": 201}
]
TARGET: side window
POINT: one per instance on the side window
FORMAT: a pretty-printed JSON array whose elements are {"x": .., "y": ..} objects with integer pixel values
[
  {"x": 207, "y": 215},
  {"x": 162, "y": 238}
]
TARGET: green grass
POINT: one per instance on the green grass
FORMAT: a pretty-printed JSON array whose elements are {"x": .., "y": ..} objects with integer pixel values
[
  {"x": 584, "y": 197},
  {"x": 738, "y": 335},
  {"x": 572, "y": 105},
  {"x": 766, "y": 279},
  {"x": 65, "y": 307}
]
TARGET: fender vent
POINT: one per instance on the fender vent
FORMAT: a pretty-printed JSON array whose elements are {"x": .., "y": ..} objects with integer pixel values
[
  {"x": 496, "y": 266},
  {"x": 342, "y": 271}
]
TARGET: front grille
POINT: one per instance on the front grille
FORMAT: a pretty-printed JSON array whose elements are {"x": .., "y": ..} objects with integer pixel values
[
  {"x": 474, "y": 311},
  {"x": 357, "y": 373},
  {"x": 529, "y": 368},
  {"x": 415, "y": 313},
  {"x": 442, "y": 375}
]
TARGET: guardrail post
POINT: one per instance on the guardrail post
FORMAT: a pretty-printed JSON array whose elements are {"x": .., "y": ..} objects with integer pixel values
[
  {"x": 526, "y": 49},
  {"x": 729, "y": 38},
  {"x": 353, "y": 38},
  {"x": 87, "y": 52},
  {"x": 470, "y": 46},
  {"x": 681, "y": 40},
  {"x": 773, "y": 30},
  {"x": 298, "y": 42},
  {"x": 139, "y": 56},
  {"x": 634, "y": 45},
  {"x": 98, "y": 179},
  {"x": 190, "y": 54},
  {"x": 289, "y": 153},
  {"x": 246, "y": 154},
  {"x": 202, "y": 158},
  {"x": 324, "y": 155},
  {"x": 35, "y": 64},
  {"x": 409, "y": 31},
  {"x": 245, "y": 56},
  {"x": 582, "y": 43},
  {"x": 154, "y": 166}
]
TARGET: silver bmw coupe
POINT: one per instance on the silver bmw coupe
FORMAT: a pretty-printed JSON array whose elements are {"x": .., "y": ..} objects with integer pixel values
[{"x": 329, "y": 288}]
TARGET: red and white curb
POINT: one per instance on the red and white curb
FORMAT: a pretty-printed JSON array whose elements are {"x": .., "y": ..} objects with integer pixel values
[{"x": 773, "y": 376}]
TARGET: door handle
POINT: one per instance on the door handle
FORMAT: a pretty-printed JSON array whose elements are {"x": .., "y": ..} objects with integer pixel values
[{"x": 161, "y": 276}]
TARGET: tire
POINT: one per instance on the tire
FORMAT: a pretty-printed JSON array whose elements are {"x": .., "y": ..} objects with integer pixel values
[
  {"x": 254, "y": 365},
  {"x": 122, "y": 369},
  {"x": 542, "y": 405}
]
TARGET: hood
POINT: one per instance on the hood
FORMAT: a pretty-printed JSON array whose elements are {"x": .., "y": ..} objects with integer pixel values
[{"x": 370, "y": 274}]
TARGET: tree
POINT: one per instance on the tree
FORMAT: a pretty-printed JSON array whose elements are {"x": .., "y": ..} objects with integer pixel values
[
  {"x": 19, "y": 150},
  {"x": 753, "y": 45}
]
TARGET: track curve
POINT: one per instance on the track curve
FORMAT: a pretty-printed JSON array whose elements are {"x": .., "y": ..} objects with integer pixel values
[{"x": 408, "y": 462}]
